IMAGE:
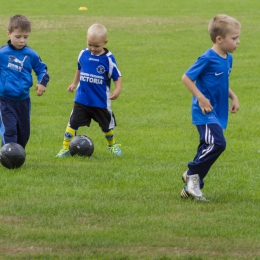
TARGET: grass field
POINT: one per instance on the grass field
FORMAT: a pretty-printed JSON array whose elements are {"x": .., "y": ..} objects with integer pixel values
[{"x": 129, "y": 208}]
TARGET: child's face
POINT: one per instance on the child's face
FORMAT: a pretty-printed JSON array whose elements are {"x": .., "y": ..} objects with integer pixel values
[
  {"x": 231, "y": 41},
  {"x": 96, "y": 44},
  {"x": 18, "y": 38}
]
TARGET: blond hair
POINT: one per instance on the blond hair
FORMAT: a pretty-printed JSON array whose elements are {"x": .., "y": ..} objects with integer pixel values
[
  {"x": 19, "y": 22},
  {"x": 220, "y": 25},
  {"x": 97, "y": 30}
]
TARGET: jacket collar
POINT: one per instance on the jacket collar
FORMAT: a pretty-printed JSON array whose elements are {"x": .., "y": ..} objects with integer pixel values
[{"x": 11, "y": 45}]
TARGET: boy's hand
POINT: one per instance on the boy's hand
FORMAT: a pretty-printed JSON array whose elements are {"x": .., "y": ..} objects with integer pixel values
[
  {"x": 40, "y": 89},
  {"x": 114, "y": 95},
  {"x": 205, "y": 105},
  {"x": 234, "y": 105},
  {"x": 71, "y": 88}
]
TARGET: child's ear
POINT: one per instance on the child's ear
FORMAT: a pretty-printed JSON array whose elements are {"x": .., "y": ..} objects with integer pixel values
[
  {"x": 219, "y": 39},
  {"x": 8, "y": 34}
]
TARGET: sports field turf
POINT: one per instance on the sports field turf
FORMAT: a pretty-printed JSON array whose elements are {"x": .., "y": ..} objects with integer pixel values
[{"x": 129, "y": 208}]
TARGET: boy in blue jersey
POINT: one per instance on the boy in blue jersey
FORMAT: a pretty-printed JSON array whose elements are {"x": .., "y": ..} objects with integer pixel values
[
  {"x": 17, "y": 61},
  {"x": 208, "y": 80},
  {"x": 96, "y": 67}
]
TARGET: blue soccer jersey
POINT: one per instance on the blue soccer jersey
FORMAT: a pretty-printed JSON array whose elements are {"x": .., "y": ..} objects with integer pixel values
[
  {"x": 211, "y": 75},
  {"x": 96, "y": 73}
]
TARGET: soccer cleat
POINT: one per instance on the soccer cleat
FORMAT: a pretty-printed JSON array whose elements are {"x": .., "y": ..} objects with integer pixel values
[
  {"x": 185, "y": 195},
  {"x": 63, "y": 153},
  {"x": 202, "y": 198},
  {"x": 115, "y": 150},
  {"x": 184, "y": 176},
  {"x": 193, "y": 185}
]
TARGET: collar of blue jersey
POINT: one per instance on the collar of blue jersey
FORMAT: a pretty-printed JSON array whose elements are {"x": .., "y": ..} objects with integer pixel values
[
  {"x": 11, "y": 45},
  {"x": 105, "y": 52}
]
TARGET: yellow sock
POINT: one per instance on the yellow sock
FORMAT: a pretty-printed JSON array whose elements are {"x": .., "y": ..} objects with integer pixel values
[
  {"x": 69, "y": 134},
  {"x": 109, "y": 137}
]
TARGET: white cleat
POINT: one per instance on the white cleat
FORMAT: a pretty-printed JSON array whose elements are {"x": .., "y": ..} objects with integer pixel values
[
  {"x": 184, "y": 176},
  {"x": 193, "y": 185}
]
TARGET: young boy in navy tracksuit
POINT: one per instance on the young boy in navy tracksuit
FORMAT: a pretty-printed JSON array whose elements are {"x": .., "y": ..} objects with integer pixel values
[{"x": 17, "y": 61}]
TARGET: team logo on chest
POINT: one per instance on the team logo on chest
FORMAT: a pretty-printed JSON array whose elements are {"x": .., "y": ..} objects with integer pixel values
[
  {"x": 16, "y": 64},
  {"x": 100, "y": 69}
]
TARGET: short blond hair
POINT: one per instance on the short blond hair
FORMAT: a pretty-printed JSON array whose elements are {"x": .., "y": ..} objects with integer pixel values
[
  {"x": 97, "y": 30},
  {"x": 220, "y": 25}
]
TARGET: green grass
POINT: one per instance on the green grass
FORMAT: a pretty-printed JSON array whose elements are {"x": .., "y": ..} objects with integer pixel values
[{"x": 129, "y": 208}]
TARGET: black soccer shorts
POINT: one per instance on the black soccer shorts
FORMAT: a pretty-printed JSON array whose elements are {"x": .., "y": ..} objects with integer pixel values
[{"x": 82, "y": 115}]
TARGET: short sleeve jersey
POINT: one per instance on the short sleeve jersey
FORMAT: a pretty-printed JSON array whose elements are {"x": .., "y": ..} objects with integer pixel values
[
  {"x": 211, "y": 76},
  {"x": 96, "y": 73}
]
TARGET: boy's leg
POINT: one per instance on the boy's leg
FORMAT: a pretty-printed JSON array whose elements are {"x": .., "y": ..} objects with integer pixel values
[
  {"x": 8, "y": 128},
  {"x": 212, "y": 144},
  {"x": 23, "y": 122},
  {"x": 107, "y": 122},
  {"x": 111, "y": 143},
  {"x": 8, "y": 121},
  {"x": 78, "y": 117},
  {"x": 69, "y": 134},
  {"x": 109, "y": 135}
]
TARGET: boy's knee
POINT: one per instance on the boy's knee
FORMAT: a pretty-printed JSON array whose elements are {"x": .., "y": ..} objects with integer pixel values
[
  {"x": 11, "y": 131},
  {"x": 222, "y": 145}
]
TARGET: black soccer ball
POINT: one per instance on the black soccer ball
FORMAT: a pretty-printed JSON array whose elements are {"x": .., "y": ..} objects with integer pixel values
[
  {"x": 81, "y": 145},
  {"x": 12, "y": 155}
]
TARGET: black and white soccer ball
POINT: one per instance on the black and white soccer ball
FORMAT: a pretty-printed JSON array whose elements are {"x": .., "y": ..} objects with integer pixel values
[
  {"x": 12, "y": 155},
  {"x": 81, "y": 145}
]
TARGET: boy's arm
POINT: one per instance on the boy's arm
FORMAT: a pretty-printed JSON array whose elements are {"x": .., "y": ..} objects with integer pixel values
[
  {"x": 75, "y": 82},
  {"x": 118, "y": 85},
  {"x": 234, "y": 104},
  {"x": 41, "y": 85},
  {"x": 204, "y": 103},
  {"x": 41, "y": 72}
]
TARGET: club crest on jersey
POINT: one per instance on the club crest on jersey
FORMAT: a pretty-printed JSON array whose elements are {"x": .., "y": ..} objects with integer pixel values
[{"x": 100, "y": 69}]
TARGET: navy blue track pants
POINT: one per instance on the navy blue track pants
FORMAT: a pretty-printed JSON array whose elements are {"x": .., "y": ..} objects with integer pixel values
[
  {"x": 212, "y": 144},
  {"x": 15, "y": 121}
]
